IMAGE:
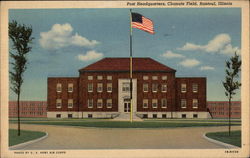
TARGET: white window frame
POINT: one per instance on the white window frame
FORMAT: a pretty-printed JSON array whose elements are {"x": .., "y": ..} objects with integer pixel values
[
  {"x": 145, "y": 102},
  {"x": 58, "y": 103},
  {"x": 70, "y": 101},
  {"x": 109, "y": 103},
  {"x": 164, "y": 89},
  {"x": 99, "y": 87},
  {"x": 90, "y": 102},
  {"x": 182, "y": 103},
  {"x": 126, "y": 87},
  {"x": 99, "y": 103},
  {"x": 195, "y": 103},
  {"x": 156, "y": 86},
  {"x": 90, "y": 77},
  {"x": 145, "y": 85},
  {"x": 109, "y": 77},
  {"x": 166, "y": 103},
  {"x": 90, "y": 87},
  {"x": 154, "y": 101},
  {"x": 109, "y": 86},
  {"x": 154, "y": 77},
  {"x": 59, "y": 87},
  {"x": 70, "y": 85},
  {"x": 183, "y": 88},
  {"x": 99, "y": 77},
  {"x": 195, "y": 87},
  {"x": 164, "y": 78},
  {"x": 145, "y": 77}
]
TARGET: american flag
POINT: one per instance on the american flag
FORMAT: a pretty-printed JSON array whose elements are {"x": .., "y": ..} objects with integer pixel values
[{"x": 142, "y": 23}]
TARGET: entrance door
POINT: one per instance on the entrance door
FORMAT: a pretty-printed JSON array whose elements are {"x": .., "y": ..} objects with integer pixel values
[{"x": 126, "y": 106}]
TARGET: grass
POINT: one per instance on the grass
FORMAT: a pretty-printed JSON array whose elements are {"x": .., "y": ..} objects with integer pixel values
[
  {"x": 105, "y": 123},
  {"x": 234, "y": 138},
  {"x": 25, "y": 136}
]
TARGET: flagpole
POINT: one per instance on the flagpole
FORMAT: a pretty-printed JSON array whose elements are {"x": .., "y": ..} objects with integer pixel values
[{"x": 131, "y": 71}]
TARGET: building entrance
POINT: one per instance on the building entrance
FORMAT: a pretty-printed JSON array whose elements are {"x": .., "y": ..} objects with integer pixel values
[{"x": 127, "y": 105}]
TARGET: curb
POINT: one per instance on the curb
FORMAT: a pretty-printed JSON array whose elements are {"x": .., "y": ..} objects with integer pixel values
[
  {"x": 229, "y": 146},
  {"x": 18, "y": 146}
]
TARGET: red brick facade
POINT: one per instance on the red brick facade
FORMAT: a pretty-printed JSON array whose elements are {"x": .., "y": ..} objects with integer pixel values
[
  {"x": 146, "y": 72},
  {"x": 28, "y": 109},
  {"x": 220, "y": 109}
]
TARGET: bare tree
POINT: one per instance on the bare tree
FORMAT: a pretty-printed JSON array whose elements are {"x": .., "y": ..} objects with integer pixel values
[
  {"x": 21, "y": 39},
  {"x": 233, "y": 67}
]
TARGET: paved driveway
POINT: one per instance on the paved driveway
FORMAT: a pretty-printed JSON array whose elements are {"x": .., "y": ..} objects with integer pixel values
[{"x": 63, "y": 137}]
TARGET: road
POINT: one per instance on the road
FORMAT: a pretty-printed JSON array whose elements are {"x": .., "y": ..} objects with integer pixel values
[{"x": 64, "y": 137}]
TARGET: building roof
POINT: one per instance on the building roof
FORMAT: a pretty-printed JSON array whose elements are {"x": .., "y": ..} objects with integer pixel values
[{"x": 122, "y": 64}]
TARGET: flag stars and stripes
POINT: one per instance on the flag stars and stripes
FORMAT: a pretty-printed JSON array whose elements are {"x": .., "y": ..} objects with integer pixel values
[{"x": 142, "y": 23}]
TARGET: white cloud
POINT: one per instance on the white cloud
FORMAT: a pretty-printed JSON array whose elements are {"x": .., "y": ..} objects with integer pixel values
[
  {"x": 203, "y": 68},
  {"x": 170, "y": 54},
  {"x": 90, "y": 55},
  {"x": 189, "y": 62},
  {"x": 60, "y": 35},
  {"x": 219, "y": 44}
]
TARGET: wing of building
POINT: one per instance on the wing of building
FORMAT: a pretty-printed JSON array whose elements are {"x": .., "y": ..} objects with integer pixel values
[{"x": 102, "y": 90}]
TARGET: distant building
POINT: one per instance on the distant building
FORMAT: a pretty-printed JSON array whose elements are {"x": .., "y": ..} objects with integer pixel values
[
  {"x": 102, "y": 90},
  {"x": 220, "y": 109},
  {"x": 28, "y": 109}
]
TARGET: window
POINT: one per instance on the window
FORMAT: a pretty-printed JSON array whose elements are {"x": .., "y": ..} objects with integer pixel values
[
  {"x": 70, "y": 103},
  {"x": 58, "y": 115},
  {"x": 154, "y": 115},
  {"x": 195, "y": 88},
  {"x": 154, "y": 87},
  {"x": 109, "y": 77},
  {"x": 70, "y": 87},
  {"x": 99, "y": 77},
  {"x": 99, "y": 103},
  {"x": 164, "y": 87},
  {"x": 195, "y": 103},
  {"x": 145, "y": 116},
  {"x": 90, "y": 77},
  {"x": 154, "y": 77},
  {"x": 59, "y": 87},
  {"x": 90, "y": 87},
  {"x": 99, "y": 87},
  {"x": 164, "y": 103},
  {"x": 126, "y": 87},
  {"x": 164, "y": 77},
  {"x": 58, "y": 103},
  {"x": 90, "y": 115},
  {"x": 183, "y": 103},
  {"x": 109, "y": 87},
  {"x": 70, "y": 115},
  {"x": 109, "y": 103},
  {"x": 145, "y": 103},
  {"x": 145, "y": 87},
  {"x": 154, "y": 103},
  {"x": 183, "y": 88},
  {"x": 164, "y": 116},
  {"x": 90, "y": 103},
  {"x": 145, "y": 77},
  {"x": 183, "y": 116},
  {"x": 195, "y": 115}
]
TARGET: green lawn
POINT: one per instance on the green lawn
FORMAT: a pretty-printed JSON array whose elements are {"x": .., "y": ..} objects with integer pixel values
[
  {"x": 25, "y": 136},
  {"x": 105, "y": 123},
  {"x": 234, "y": 138}
]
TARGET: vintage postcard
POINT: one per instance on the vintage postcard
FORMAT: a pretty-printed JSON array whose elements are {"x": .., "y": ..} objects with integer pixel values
[{"x": 125, "y": 79}]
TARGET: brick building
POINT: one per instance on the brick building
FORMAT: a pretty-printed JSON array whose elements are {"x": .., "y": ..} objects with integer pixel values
[
  {"x": 102, "y": 90},
  {"x": 220, "y": 109},
  {"x": 28, "y": 109}
]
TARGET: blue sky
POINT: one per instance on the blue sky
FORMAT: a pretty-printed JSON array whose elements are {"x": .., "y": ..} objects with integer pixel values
[{"x": 194, "y": 41}]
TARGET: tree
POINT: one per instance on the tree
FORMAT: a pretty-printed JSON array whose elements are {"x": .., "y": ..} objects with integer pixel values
[
  {"x": 233, "y": 67},
  {"x": 20, "y": 36}
]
